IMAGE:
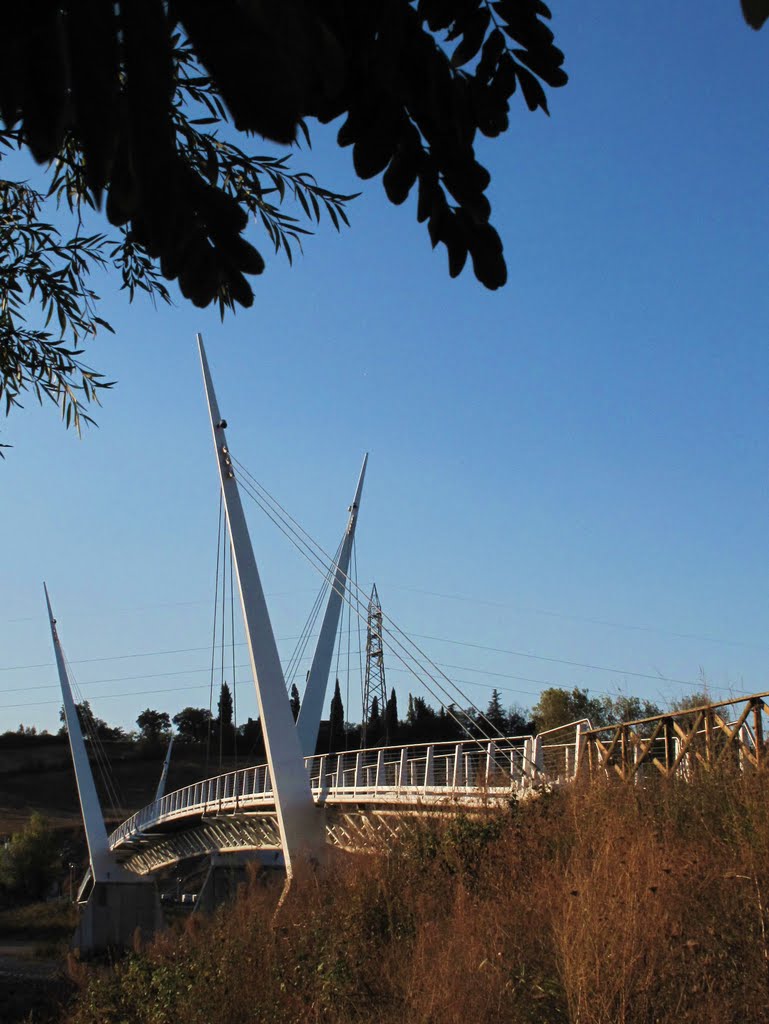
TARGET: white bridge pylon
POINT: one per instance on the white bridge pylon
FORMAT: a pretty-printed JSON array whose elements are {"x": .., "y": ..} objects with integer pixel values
[
  {"x": 300, "y": 821},
  {"x": 311, "y": 708},
  {"x": 104, "y": 867}
]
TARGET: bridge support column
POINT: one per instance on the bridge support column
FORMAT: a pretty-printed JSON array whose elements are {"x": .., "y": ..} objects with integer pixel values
[
  {"x": 228, "y": 872},
  {"x": 114, "y": 912},
  {"x": 119, "y": 901}
]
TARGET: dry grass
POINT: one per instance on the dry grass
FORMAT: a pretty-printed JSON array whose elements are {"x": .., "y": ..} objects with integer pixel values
[{"x": 608, "y": 904}]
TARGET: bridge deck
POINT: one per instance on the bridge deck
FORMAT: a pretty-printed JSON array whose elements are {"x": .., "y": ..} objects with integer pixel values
[{"x": 237, "y": 809}]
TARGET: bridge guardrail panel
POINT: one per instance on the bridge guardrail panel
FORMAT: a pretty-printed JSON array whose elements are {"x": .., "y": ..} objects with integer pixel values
[{"x": 430, "y": 767}]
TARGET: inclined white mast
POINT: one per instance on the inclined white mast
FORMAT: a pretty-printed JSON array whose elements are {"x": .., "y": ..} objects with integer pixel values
[
  {"x": 311, "y": 709},
  {"x": 160, "y": 791},
  {"x": 104, "y": 867},
  {"x": 301, "y": 822}
]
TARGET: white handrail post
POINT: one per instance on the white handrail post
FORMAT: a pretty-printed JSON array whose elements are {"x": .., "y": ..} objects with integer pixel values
[
  {"x": 403, "y": 767},
  {"x": 379, "y": 777},
  {"x": 490, "y": 751},
  {"x": 527, "y": 767},
  {"x": 358, "y": 768},
  {"x": 429, "y": 762},
  {"x": 537, "y": 763},
  {"x": 579, "y": 746},
  {"x": 322, "y": 779},
  {"x": 457, "y": 765}
]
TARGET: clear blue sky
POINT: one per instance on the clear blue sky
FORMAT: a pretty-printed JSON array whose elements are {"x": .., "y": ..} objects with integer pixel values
[{"x": 573, "y": 468}]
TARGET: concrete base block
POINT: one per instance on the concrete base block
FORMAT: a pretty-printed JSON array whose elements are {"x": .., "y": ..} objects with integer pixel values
[{"x": 113, "y": 912}]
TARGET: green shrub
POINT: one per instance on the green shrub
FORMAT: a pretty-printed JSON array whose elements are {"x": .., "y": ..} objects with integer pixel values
[{"x": 29, "y": 861}]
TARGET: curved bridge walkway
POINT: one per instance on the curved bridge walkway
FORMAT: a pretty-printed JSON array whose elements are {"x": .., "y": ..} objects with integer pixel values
[
  {"x": 369, "y": 796},
  {"x": 366, "y": 796}
]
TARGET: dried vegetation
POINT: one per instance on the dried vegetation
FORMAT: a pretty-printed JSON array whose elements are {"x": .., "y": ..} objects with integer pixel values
[{"x": 607, "y": 904}]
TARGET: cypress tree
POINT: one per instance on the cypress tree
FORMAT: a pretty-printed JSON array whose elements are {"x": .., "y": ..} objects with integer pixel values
[
  {"x": 374, "y": 731},
  {"x": 391, "y": 719},
  {"x": 336, "y": 721},
  {"x": 496, "y": 713},
  {"x": 294, "y": 701}
]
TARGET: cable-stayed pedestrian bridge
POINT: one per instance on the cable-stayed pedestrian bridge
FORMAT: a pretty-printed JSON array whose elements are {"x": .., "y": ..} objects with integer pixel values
[
  {"x": 296, "y": 805},
  {"x": 368, "y": 797},
  {"x": 364, "y": 795}
]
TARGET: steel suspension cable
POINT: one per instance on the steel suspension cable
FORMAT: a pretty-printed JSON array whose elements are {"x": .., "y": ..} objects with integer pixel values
[
  {"x": 232, "y": 648},
  {"x": 358, "y": 616},
  {"x": 321, "y": 564},
  {"x": 220, "y": 724},
  {"x": 88, "y": 726},
  {"x": 307, "y": 631},
  {"x": 213, "y": 637}
]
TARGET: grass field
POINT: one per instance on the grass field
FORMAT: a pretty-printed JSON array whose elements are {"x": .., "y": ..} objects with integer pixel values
[{"x": 47, "y": 922}]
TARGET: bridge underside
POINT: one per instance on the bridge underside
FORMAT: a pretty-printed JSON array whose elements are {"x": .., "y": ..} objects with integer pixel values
[{"x": 350, "y": 827}]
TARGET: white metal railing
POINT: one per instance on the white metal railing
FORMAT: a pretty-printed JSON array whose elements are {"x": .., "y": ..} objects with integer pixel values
[{"x": 468, "y": 767}]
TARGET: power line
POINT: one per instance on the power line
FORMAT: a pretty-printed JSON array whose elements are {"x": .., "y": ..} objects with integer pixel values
[
  {"x": 104, "y": 696},
  {"x": 658, "y": 678},
  {"x": 583, "y": 618},
  {"x": 134, "y": 654},
  {"x": 121, "y": 610}
]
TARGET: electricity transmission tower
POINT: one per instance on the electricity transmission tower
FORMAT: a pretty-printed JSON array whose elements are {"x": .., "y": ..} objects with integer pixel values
[{"x": 374, "y": 682}]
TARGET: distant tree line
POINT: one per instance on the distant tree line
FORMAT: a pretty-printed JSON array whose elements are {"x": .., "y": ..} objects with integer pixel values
[{"x": 422, "y": 723}]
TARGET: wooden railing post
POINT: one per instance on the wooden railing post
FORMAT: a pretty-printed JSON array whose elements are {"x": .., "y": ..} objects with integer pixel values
[
  {"x": 623, "y": 753},
  {"x": 758, "y": 732},
  {"x": 709, "y": 751},
  {"x": 670, "y": 746}
]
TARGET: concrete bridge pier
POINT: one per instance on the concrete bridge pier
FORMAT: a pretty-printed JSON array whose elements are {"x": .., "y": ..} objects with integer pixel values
[
  {"x": 116, "y": 914},
  {"x": 228, "y": 871},
  {"x": 119, "y": 901}
]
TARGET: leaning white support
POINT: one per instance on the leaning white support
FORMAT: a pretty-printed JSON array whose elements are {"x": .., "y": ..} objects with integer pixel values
[
  {"x": 104, "y": 867},
  {"x": 300, "y": 822},
  {"x": 160, "y": 791},
  {"x": 311, "y": 709}
]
